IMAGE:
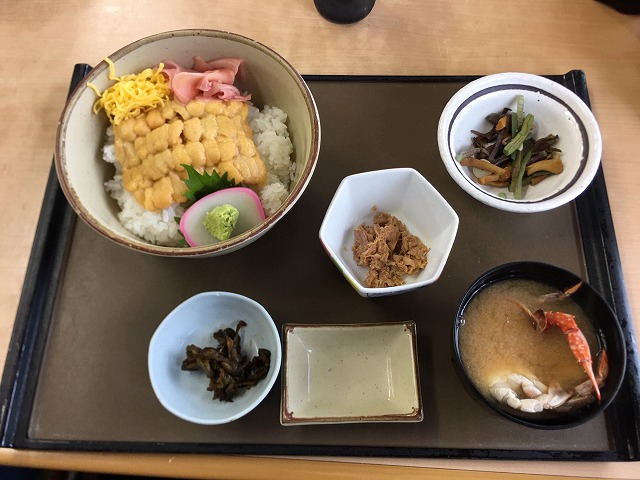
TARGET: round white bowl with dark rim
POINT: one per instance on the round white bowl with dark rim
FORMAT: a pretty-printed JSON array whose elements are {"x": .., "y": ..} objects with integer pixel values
[
  {"x": 270, "y": 79},
  {"x": 597, "y": 310},
  {"x": 404, "y": 193},
  {"x": 556, "y": 109},
  {"x": 184, "y": 393}
]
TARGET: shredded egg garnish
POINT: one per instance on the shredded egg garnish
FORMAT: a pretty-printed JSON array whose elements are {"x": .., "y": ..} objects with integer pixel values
[{"x": 131, "y": 94}]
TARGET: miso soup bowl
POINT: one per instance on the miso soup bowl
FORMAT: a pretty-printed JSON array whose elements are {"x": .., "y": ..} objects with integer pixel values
[
  {"x": 597, "y": 310},
  {"x": 266, "y": 75}
]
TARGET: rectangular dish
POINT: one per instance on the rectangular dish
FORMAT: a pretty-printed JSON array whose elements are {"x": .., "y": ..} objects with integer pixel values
[{"x": 350, "y": 373}]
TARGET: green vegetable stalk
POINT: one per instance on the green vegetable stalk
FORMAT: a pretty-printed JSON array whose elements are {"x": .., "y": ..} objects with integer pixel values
[
  {"x": 522, "y": 135},
  {"x": 517, "y": 161},
  {"x": 514, "y": 124},
  {"x": 517, "y": 193},
  {"x": 519, "y": 109}
]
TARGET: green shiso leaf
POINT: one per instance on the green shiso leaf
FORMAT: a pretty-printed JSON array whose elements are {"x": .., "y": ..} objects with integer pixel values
[{"x": 202, "y": 184}]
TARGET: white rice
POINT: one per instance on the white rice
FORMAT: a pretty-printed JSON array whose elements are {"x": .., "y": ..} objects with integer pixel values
[{"x": 271, "y": 136}]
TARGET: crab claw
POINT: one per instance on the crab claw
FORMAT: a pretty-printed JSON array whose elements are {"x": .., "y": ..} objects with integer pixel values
[
  {"x": 586, "y": 387},
  {"x": 538, "y": 317},
  {"x": 577, "y": 342}
]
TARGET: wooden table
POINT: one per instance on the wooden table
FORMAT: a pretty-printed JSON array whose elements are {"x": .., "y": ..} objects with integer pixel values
[{"x": 42, "y": 40}]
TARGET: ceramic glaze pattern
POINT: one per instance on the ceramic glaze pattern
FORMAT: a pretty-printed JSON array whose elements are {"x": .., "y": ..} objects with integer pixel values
[{"x": 350, "y": 373}]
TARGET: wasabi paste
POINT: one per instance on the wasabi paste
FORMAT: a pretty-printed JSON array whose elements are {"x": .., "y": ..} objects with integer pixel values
[{"x": 221, "y": 221}]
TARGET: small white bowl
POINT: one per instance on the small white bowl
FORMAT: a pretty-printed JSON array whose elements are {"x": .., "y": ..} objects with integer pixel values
[
  {"x": 404, "y": 193},
  {"x": 350, "y": 374},
  {"x": 556, "y": 109},
  {"x": 184, "y": 393}
]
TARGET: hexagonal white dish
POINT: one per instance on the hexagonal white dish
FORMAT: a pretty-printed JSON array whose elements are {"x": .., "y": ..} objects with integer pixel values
[
  {"x": 350, "y": 373},
  {"x": 404, "y": 193}
]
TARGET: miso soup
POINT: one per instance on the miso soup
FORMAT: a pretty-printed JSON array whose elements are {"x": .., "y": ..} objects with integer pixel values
[{"x": 498, "y": 338}]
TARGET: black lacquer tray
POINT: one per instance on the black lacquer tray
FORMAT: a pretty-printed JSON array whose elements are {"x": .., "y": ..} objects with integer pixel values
[{"x": 76, "y": 373}]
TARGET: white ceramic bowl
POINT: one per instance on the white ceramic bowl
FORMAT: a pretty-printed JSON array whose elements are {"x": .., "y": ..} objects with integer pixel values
[
  {"x": 404, "y": 193},
  {"x": 81, "y": 134},
  {"x": 556, "y": 110},
  {"x": 184, "y": 393}
]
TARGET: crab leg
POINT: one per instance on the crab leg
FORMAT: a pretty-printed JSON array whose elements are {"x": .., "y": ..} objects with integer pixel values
[
  {"x": 557, "y": 296},
  {"x": 601, "y": 375},
  {"x": 575, "y": 337}
]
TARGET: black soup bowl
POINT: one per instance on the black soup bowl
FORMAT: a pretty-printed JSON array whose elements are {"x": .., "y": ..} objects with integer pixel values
[{"x": 597, "y": 310}]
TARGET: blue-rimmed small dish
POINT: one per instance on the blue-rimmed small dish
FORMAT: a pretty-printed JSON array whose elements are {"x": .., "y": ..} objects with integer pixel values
[{"x": 193, "y": 322}]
